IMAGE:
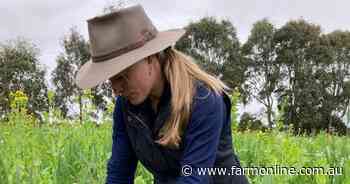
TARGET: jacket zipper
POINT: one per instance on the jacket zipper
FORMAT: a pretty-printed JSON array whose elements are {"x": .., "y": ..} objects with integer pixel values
[{"x": 140, "y": 120}]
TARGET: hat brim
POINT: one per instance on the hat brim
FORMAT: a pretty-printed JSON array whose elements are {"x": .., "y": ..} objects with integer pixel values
[{"x": 93, "y": 73}]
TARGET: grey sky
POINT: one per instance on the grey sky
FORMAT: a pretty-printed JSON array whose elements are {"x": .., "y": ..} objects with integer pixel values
[{"x": 45, "y": 22}]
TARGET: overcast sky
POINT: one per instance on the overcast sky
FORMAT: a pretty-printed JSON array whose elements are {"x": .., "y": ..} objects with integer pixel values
[{"x": 45, "y": 22}]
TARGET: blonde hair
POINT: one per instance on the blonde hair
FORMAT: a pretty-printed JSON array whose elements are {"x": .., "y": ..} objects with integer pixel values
[{"x": 181, "y": 73}]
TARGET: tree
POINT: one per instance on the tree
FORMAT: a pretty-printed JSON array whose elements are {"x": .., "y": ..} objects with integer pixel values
[
  {"x": 61, "y": 78},
  {"x": 263, "y": 71},
  {"x": 336, "y": 76},
  {"x": 305, "y": 57},
  {"x": 214, "y": 45},
  {"x": 76, "y": 53},
  {"x": 20, "y": 70},
  {"x": 249, "y": 122}
]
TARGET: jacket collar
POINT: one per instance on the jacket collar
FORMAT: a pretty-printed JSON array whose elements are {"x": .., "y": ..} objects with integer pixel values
[
  {"x": 146, "y": 106},
  {"x": 145, "y": 111}
]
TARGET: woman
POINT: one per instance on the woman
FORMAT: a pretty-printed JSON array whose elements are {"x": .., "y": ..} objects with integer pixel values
[{"x": 170, "y": 115}]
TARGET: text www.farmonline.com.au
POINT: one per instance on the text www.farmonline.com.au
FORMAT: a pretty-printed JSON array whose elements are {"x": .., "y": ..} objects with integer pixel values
[{"x": 187, "y": 170}]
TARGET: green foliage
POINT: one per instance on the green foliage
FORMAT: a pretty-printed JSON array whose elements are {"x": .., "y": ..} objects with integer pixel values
[
  {"x": 279, "y": 67},
  {"x": 18, "y": 101},
  {"x": 263, "y": 71},
  {"x": 64, "y": 154},
  {"x": 248, "y": 123},
  {"x": 283, "y": 149},
  {"x": 215, "y": 46},
  {"x": 19, "y": 112},
  {"x": 139, "y": 180},
  {"x": 235, "y": 99},
  {"x": 280, "y": 113},
  {"x": 76, "y": 53},
  {"x": 314, "y": 76},
  {"x": 21, "y": 70},
  {"x": 53, "y": 115},
  {"x": 79, "y": 154},
  {"x": 51, "y": 97},
  {"x": 88, "y": 106},
  {"x": 348, "y": 117}
]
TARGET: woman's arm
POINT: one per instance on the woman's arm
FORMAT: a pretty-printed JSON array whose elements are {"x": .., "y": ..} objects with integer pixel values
[
  {"x": 121, "y": 166},
  {"x": 202, "y": 137}
]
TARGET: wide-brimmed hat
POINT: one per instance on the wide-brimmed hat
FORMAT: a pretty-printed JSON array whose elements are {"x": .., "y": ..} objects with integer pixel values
[{"x": 119, "y": 40}]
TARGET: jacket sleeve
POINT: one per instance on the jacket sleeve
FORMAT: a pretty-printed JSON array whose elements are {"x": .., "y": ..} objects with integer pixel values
[
  {"x": 201, "y": 138},
  {"x": 122, "y": 164}
]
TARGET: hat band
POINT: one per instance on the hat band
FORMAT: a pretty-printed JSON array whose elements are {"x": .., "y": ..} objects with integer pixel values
[{"x": 146, "y": 35}]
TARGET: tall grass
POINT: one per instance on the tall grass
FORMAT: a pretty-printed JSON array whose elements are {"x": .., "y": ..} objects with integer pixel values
[
  {"x": 65, "y": 154},
  {"x": 283, "y": 149},
  {"x": 78, "y": 154}
]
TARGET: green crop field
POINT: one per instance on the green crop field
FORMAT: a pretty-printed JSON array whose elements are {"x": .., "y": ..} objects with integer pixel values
[{"x": 78, "y": 154}]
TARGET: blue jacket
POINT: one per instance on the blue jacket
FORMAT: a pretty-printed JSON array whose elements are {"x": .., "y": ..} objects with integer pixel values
[{"x": 206, "y": 143}]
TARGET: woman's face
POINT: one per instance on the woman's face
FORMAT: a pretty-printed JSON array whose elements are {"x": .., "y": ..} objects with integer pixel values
[{"x": 135, "y": 83}]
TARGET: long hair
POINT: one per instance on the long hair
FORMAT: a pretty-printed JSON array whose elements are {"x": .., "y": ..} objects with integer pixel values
[{"x": 181, "y": 73}]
